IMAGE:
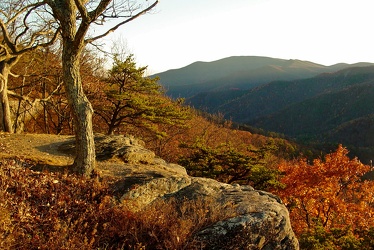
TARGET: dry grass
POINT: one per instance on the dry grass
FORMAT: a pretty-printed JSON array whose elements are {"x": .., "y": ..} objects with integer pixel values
[{"x": 57, "y": 210}]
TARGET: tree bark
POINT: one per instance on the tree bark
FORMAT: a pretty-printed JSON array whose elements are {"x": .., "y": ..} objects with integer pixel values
[
  {"x": 82, "y": 110},
  {"x": 74, "y": 20},
  {"x": 6, "y": 120}
]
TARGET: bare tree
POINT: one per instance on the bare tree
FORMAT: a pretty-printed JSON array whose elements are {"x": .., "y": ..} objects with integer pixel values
[
  {"x": 23, "y": 28},
  {"x": 75, "y": 18}
]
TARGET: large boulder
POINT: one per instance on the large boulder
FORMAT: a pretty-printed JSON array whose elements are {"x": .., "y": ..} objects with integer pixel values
[{"x": 260, "y": 220}]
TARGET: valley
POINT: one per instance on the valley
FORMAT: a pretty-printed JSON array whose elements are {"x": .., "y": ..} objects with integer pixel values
[{"x": 311, "y": 103}]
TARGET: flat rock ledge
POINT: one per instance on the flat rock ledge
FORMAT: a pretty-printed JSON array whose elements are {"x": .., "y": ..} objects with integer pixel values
[{"x": 261, "y": 220}]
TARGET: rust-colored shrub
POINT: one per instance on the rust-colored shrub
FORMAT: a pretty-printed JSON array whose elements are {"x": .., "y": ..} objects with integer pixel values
[{"x": 44, "y": 210}]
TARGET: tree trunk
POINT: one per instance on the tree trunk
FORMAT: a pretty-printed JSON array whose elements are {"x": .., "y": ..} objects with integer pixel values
[
  {"x": 112, "y": 121},
  {"x": 82, "y": 111},
  {"x": 5, "y": 117}
]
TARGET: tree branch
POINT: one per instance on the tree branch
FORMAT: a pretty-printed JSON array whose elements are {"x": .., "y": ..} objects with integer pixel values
[
  {"x": 19, "y": 12},
  {"x": 28, "y": 100},
  {"x": 26, "y": 28},
  {"x": 43, "y": 45},
  {"x": 5, "y": 53},
  {"x": 6, "y": 36},
  {"x": 11, "y": 48},
  {"x": 82, "y": 10},
  {"x": 90, "y": 40},
  {"x": 99, "y": 9},
  {"x": 14, "y": 75},
  {"x": 4, "y": 13}
]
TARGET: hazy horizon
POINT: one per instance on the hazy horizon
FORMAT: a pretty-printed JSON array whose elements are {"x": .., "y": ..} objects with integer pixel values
[{"x": 180, "y": 32}]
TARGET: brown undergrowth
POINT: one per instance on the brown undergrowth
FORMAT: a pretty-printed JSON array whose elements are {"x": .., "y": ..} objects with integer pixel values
[{"x": 54, "y": 210}]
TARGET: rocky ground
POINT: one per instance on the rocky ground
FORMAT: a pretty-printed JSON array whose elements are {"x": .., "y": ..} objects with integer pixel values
[{"x": 259, "y": 221}]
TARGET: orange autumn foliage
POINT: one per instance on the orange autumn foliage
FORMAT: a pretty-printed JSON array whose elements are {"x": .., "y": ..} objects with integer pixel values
[{"x": 330, "y": 192}]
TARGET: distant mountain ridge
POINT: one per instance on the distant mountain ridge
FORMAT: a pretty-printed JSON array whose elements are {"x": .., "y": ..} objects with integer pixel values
[
  {"x": 300, "y": 99},
  {"x": 320, "y": 104},
  {"x": 238, "y": 73},
  {"x": 342, "y": 112},
  {"x": 272, "y": 97}
]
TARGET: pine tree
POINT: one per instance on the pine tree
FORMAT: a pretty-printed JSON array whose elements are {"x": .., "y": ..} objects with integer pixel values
[{"x": 130, "y": 98}]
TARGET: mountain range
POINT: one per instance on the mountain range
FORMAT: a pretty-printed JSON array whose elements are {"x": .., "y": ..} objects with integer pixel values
[
  {"x": 239, "y": 73},
  {"x": 300, "y": 99}
]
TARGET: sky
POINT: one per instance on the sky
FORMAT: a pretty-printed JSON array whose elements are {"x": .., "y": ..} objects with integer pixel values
[{"x": 180, "y": 32}]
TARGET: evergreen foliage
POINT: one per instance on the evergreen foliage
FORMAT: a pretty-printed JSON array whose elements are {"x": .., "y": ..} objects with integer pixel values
[
  {"x": 318, "y": 238},
  {"x": 229, "y": 165},
  {"x": 130, "y": 98}
]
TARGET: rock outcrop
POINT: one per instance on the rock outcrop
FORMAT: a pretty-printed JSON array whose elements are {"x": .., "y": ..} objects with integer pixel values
[{"x": 261, "y": 220}]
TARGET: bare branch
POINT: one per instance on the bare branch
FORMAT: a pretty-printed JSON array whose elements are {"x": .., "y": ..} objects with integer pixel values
[
  {"x": 14, "y": 75},
  {"x": 53, "y": 92},
  {"x": 4, "y": 13},
  {"x": 2, "y": 81},
  {"x": 19, "y": 12},
  {"x": 5, "y": 53},
  {"x": 90, "y": 40},
  {"x": 43, "y": 45},
  {"x": 82, "y": 11},
  {"x": 55, "y": 10},
  {"x": 31, "y": 102},
  {"x": 6, "y": 36},
  {"x": 99, "y": 9},
  {"x": 12, "y": 47},
  {"x": 26, "y": 28}
]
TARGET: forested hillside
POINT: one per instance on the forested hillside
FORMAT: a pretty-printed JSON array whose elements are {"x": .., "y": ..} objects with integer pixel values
[
  {"x": 270, "y": 98},
  {"x": 331, "y": 108},
  {"x": 289, "y": 97}
]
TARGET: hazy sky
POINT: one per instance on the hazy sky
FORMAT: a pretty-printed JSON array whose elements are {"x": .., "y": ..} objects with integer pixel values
[{"x": 180, "y": 32}]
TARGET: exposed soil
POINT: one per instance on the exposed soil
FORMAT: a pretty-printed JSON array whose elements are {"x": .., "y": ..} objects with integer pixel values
[
  {"x": 53, "y": 153},
  {"x": 41, "y": 149},
  {"x": 49, "y": 152}
]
